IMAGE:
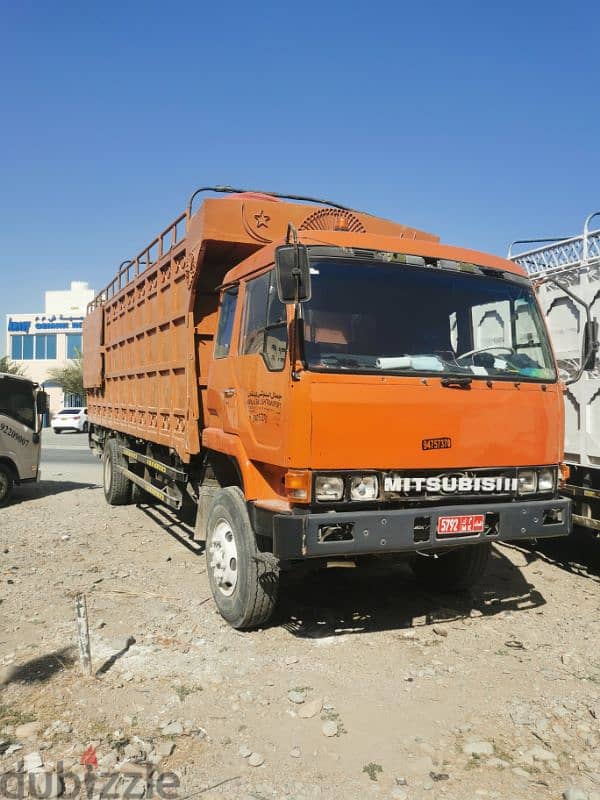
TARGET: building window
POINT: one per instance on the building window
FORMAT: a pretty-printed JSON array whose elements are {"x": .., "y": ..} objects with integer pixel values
[
  {"x": 16, "y": 347},
  {"x": 22, "y": 347},
  {"x": 30, "y": 347},
  {"x": 73, "y": 345},
  {"x": 45, "y": 346}
]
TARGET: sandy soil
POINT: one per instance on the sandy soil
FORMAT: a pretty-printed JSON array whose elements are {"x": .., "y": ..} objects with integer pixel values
[{"x": 492, "y": 695}]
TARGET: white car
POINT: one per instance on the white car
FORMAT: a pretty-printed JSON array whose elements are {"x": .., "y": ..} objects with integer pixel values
[{"x": 70, "y": 419}]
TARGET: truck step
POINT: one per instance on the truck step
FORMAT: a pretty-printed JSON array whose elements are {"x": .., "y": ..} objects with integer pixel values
[
  {"x": 160, "y": 494},
  {"x": 164, "y": 469}
]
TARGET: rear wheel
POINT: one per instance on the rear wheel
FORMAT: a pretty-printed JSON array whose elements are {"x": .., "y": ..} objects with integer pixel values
[
  {"x": 6, "y": 484},
  {"x": 57, "y": 430},
  {"x": 453, "y": 570},
  {"x": 117, "y": 487},
  {"x": 244, "y": 582}
]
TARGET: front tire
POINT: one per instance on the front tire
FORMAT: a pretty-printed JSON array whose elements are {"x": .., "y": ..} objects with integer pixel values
[
  {"x": 244, "y": 582},
  {"x": 7, "y": 484},
  {"x": 57, "y": 430},
  {"x": 454, "y": 570},
  {"x": 117, "y": 487}
]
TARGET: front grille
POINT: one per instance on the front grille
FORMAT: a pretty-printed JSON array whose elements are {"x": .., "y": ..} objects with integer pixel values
[{"x": 503, "y": 490}]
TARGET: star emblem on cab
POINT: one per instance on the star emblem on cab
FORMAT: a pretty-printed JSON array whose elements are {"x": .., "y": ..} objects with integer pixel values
[{"x": 262, "y": 219}]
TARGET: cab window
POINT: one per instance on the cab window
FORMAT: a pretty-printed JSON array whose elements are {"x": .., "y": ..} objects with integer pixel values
[
  {"x": 265, "y": 322},
  {"x": 17, "y": 402},
  {"x": 226, "y": 318}
]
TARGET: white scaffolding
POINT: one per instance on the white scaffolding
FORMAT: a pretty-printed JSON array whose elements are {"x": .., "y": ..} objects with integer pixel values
[
  {"x": 560, "y": 254},
  {"x": 574, "y": 263}
]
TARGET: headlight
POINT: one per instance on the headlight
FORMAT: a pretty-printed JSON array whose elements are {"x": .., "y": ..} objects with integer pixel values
[
  {"x": 364, "y": 487},
  {"x": 527, "y": 481},
  {"x": 329, "y": 487},
  {"x": 546, "y": 480}
]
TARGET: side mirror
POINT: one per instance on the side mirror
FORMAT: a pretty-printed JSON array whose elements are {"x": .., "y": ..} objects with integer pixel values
[
  {"x": 292, "y": 271},
  {"x": 590, "y": 345},
  {"x": 42, "y": 402}
]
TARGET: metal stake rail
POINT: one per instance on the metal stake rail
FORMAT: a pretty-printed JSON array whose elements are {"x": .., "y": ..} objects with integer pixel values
[{"x": 173, "y": 235}]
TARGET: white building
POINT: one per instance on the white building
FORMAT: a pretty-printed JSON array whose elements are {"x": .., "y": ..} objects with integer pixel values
[{"x": 40, "y": 342}]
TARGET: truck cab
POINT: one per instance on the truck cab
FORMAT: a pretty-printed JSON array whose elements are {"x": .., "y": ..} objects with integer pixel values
[
  {"x": 21, "y": 405},
  {"x": 408, "y": 403}
]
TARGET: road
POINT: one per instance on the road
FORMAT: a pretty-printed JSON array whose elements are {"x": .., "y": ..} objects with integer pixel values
[{"x": 67, "y": 457}]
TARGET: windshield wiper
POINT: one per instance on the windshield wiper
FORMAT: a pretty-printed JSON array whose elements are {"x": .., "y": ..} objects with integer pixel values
[{"x": 360, "y": 362}]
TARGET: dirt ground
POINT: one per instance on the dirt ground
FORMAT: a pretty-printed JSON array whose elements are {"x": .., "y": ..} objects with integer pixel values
[{"x": 364, "y": 686}]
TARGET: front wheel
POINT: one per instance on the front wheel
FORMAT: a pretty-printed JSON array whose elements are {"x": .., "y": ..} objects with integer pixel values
[
  {"x": 244, "y": 582},
  {"x": 453, "y": 570},
  {"x": 6, "y": 484},
  {"x": 117, "y": 487},
  {"x": 57, "y": 430}
]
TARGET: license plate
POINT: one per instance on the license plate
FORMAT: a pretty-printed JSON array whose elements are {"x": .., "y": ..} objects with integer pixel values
[{"x": 457, "y": 526}]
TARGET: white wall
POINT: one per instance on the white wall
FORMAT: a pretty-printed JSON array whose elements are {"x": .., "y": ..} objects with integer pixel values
[{"x": 70, "y": 301}]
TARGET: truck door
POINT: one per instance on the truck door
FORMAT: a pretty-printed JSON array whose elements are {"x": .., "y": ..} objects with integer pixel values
[{"x": 260, "y": 370}]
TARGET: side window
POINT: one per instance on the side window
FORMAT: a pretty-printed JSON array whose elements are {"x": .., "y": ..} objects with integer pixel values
[
  {"x": 265, "y": 322},
  {"x": 255, "y": 314},
  {"x": 527, "y": 334},
  {"x": 17, "y": 402},
  {"x": 225, "y": 327},
  {"x": 276, "y": 332}
]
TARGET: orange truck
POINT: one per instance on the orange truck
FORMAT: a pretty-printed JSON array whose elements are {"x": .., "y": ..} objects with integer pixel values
[{"x": 325, "y": 386}]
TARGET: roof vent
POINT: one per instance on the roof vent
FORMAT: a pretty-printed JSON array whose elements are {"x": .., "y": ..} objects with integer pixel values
[{"x": 332, "y": 219}]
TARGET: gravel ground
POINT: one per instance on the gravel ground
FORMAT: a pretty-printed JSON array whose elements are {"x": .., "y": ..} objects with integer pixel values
[{"x": 364, "y": 686}]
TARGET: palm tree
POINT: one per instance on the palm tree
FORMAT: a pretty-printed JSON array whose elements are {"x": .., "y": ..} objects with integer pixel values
[
  {"x": 70, "y": 377},
  {"x": 8, "y": 366}
]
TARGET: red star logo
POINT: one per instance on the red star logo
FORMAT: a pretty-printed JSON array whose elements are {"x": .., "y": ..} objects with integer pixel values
[{"x": 262, "y": 220}]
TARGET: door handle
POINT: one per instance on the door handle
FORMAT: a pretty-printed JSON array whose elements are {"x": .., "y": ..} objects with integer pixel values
[{"x": 228, "y": 392}]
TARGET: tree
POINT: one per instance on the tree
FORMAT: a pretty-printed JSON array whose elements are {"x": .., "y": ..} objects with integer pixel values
[
  {"x": 70, "y": 378},
  {"x": 6, "y": 365}
]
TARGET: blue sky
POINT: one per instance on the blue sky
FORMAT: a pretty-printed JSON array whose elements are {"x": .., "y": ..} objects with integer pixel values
[{"x": 477, "y": 121}]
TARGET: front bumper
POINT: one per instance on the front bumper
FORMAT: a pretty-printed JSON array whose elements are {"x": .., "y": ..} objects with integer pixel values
[{"x": 415, "y": 529}]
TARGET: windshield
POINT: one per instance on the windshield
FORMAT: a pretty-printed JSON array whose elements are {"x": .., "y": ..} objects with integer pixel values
[{"x": 371, "y": 316}]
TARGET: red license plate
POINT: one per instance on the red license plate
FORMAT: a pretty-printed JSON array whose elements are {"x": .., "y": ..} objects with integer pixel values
[{"x": 458, "y": 526}]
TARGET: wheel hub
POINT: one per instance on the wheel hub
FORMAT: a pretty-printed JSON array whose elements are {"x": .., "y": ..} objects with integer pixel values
[{"x": 224, "y": 557}]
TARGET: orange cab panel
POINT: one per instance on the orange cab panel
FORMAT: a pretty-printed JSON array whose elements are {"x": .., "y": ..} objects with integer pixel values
[{"x": 379, "y": 423}]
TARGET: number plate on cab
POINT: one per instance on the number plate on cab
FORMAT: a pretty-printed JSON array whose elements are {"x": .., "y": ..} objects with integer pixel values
[{"x": 461, "y": 525}]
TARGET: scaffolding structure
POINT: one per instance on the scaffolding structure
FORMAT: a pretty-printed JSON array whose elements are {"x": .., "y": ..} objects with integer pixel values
[
  {"x": 558, "y": 255},
  {"x": 563, "y": 270}
]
